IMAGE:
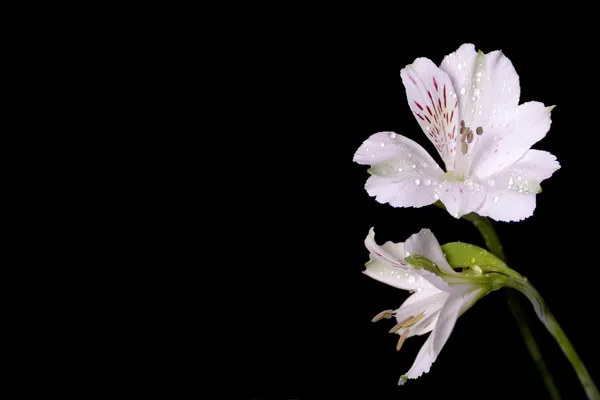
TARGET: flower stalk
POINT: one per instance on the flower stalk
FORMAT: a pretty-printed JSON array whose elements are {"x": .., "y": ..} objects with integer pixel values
[
  {"x": 492, "y": 242},
  {"x": 557, "y": 332}
]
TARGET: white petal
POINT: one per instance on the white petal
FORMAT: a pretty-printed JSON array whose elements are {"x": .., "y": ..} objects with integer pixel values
[
  {"x": 461, "y": 198},
  {"x": 507, "y": 206},
  {"x": 422, "y": 363},
  {"x": 403, "y": 173},
  {"x": 428, "y": 300},
  {"x": 508, "y": 136},
  {"x": 484, "y": 83},
  {"x": 404, "y": 279},
  {"x": 425, "y": 244},
  {"x": 382, "y": 255},
  {"x": 511, "y": 192},
  {"x": 432, "y": 99},
  {"x": 446, "y": 321}
]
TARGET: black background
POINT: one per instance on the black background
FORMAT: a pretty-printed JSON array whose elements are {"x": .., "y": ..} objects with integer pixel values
[{"x": 312, "y": 92}]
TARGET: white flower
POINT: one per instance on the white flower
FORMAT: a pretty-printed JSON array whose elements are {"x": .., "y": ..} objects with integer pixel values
[
  {"x": 469, "y": 109},
  {"x": 435, "y": 305}
]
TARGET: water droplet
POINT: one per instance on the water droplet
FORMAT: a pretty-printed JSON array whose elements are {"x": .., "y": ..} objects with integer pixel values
[
  {"x": 407, "y": 254},
  {"x": 399, "y": 170},
  {"x": 491, "y": 182},
  {"x": 419, "y": 290},
  {"x": 436, "y": 196},
  {"x": 519, "y": 178},
  {"x": 392, "y": 135},
  {"x": 472, "y": 260},
  {"x": 427, "y": 182},
  {"x": 477, "y": 269},
  {"x": 496, "y": 199},
  {"x": 510, "y": 181},
  {"x": 382, "y": 144},
  {"x": 414, "y": 166},
  {"x": 411, "y": 279},
  {"x": 459, "y": 66},
  {"x": 463, "y": 91},
  {"x": 424, "y": 164},
  {"x": 417, "y": 182}
]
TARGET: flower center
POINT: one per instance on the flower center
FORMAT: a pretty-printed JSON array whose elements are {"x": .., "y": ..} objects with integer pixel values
[
  {"x": 466, "y": 136},
  {"x": 468, "y": 140}
]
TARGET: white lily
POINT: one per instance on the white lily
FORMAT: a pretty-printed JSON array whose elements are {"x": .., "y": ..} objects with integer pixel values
[
  {"x": 436, "y": 304},
  {"x": 469, "y": 109}
]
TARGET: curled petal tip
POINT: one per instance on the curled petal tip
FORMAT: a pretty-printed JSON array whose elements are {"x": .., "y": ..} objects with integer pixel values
[{"x": 402, "y": 380}]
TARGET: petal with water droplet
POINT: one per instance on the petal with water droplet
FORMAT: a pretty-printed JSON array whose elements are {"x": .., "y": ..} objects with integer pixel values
[
  {"x": 511, "y": 136},
  {"x": 513, "y": 199},
  {"x": 398, "y": 170},
  {"x": 428, "y": 90}
]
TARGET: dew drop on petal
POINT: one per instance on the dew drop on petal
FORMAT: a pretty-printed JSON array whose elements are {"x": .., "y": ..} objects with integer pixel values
[
  {"x": 382, "y": 144},
  {"x": 463, "y": 91},
  {"x": 491, "y": 182},
  {"x": 392, "y": 135},
  {"x": 417, "y": 182},
  {"x": 427, "y": 182},
  {"x": 411, "y": 279},
  {"x": 496, "y": 199}
]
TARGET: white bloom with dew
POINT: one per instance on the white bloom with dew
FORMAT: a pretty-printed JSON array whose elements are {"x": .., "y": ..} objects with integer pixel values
[
  {"x": 469, "y": 109},
  {"x": 435, "y": 304}
]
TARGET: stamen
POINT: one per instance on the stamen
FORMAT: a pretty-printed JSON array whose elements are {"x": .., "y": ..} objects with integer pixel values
[
  {"x": 402, "y": 339},
  {"x": 387, "y": 314},
  {"x": 414, "y": 320},
  {"x": 470, "y": 136},
  {"x": 462, "y": 123},
  {"x": 463, "y": 138},
  {"x": 400, "y": 324},
  {"x": 463, "y": 130},
  {"x": 479, "y": 130},
  {"x": 465, "y": 148}
]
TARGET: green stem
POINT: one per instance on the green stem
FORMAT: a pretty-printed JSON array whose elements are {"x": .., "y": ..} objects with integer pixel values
[
  {"x": 492, "y": 242},
  {"x": 554, "y": 328},
  {"x": 534, "y": 351}
]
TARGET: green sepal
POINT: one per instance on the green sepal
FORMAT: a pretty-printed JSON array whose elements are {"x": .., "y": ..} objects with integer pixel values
[{"x": 475, "y": 260}]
